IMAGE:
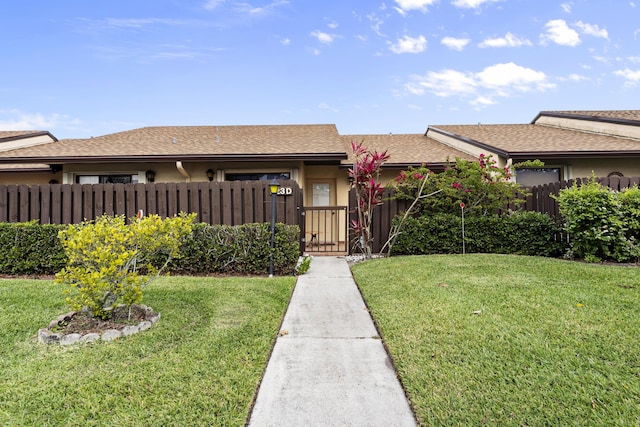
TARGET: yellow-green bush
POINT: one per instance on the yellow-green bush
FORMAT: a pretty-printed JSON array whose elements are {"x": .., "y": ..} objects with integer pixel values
[{"x": 110, "y": 260}]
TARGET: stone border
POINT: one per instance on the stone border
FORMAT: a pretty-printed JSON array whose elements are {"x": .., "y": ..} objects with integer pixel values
[{"x": 46, "y": 336}]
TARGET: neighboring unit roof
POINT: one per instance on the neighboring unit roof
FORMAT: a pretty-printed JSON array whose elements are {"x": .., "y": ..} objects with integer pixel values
[
  {"x": 192, "y": 143},
  {"x": 405, "y": 149},
  {"x": 11, "y": 135},
  {"x": 631, "y": 117},
  {"x": 540, "y": 141}
]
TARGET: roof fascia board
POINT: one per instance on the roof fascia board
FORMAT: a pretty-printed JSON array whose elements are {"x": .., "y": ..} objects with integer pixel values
[
  {"x": 585, "y": 118},
  {"x": 173, "y": 158},
  {"x": 29, "y": 135},
  {"x": 572, "y": 154},
  {"x": 469, "y": 141}
]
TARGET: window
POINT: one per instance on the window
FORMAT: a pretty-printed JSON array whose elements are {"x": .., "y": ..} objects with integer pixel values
[
  {"x": 529, "y": 177},
  {"x": 321, "y": 194},
  {"x": 106, "y": 179},
  {"x": 265, "y": 176}
]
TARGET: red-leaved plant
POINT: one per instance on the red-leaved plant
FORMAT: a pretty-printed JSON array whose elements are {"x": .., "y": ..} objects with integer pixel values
[{"x": 365, "y": 176}]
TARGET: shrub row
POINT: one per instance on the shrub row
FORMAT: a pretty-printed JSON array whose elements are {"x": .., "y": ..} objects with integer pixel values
[
  {"x": 522, "y": 233},
  {"x": 30, "y": 249},
  {"x": 242, "y": 249},
  {"x": 34, "y": 249},
  {"x": 603, "y": 224}
]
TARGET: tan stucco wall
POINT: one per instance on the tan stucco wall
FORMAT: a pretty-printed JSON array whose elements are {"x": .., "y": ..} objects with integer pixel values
[
  {"x": 29, "y": 178},
  {"x": 591, "y": 126},
  {"x": 465, "y": 147},
  {"x": 603, "y": 167}
]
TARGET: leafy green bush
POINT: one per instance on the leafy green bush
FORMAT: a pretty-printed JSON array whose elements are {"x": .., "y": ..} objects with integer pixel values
[
  {"x": 523, "y": 233},
  {"x": 110, "y": 260},
  {"x": 239, "y": 249},
  {"x": 596, "y": 222},
  {"x": 630, "y": 210},
  {"x": 481, "y": 185},
  {"x": 30, "y": 248}
]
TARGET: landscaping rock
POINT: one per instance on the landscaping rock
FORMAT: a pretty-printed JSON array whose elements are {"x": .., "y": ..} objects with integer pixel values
[
  {"x": 45, "y": 336},
  {"x": 111, "y": 331},
  {"x": 90, "y": 337},
  {"x": 70, "y": 339},
  {"x": 111, "y": 334},
  {"x": 130, "y": 330},
  {"x": 144, "y": 325}
]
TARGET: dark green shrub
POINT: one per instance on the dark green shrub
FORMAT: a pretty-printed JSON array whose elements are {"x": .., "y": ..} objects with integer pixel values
[
  {"x": 30, "y": 248},
  {"x": 242, "y": 249},
  {"x": 630, "y": 210},
  {"x": 523, "y": 233},
  {"x": 596, "y": 223}
]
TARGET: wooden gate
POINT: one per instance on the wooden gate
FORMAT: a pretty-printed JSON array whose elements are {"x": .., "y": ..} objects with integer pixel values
[{"x": 325, "y": 230}]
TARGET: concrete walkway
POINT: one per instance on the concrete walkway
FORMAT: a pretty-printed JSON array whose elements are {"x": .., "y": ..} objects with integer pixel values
[{"x": 328, "y": 366}]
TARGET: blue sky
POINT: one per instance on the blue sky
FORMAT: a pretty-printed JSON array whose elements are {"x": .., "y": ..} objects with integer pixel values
[{"x": 85, "y": 68}]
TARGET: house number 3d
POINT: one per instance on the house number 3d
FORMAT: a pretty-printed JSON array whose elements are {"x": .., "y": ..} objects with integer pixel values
[{"x": 285, "y": 191}]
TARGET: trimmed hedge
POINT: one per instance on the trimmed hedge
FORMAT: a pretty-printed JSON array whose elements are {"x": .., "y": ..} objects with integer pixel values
[
  {"x": 34, "y": 249},
  {"x": 30, "y": 248},
  {"x": 240, "y": 249},
  {"x": 521, "y": 233}
]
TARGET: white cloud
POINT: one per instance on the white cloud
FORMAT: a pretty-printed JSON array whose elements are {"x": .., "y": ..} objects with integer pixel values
[
  {"x": 248, "y": 9},
  {"x": 212, "y": 4},
  {"x": 482, "y": 101},
  {"x": 502, "y": 80},
  {"x": 331, "y": 23},
  {"x": 567, "y": 6},
  {"x": 408, "y": 5},
  {"x": 325, "y": 106},
  {"x": 19, "y": 120},
  {"x": 509, "y": 40},
  {"x": 574, "y": 77},
  {"x": 142, "y": 22},
  {"x": 592, "y": 30},
  {"x": 409, "y": 45},
  {"x": 376, "y": 24},
  {"x": 285, "y": 42},
  {"x": 444, "y": 83},
  {"x": 559, "y": 32},
  {"x": 455, "y": 43},
  {"x": 471, "y": 4},
  {"x": 323, "y": 37},
  {"x": 632, "y": 77},
  {"x": 513, "y": 76}
]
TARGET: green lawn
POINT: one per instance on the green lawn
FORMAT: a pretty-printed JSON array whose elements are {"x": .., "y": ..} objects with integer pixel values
[
  {"x": 199, "y": 365},
  {"x": 508, "y": 340}
]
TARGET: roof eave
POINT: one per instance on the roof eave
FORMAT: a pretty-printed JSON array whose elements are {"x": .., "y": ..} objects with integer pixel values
[
  {"x": 183, "y": 158},
  {"x": 29, "y": 135},
  {"x": 470, "y": 141},
  {"x": 600, "y": 119},
  {"x": 541, "y": 155}
]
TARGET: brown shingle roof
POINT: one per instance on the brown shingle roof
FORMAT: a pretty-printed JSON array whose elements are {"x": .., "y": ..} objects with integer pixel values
[
  {"x": 8, "y": 135},
  {"x": 631, "y": 116},
  {"x": 191, "y": 142},
  {"x": 405, "y": 149},
  {"x": 519, "y": 139}
]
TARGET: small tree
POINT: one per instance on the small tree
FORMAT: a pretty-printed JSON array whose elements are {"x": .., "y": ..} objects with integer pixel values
[
  {"x": 110, "y": 261},
  {"x": 482, "y": 186},
  {"x": 365, "y": 176}
]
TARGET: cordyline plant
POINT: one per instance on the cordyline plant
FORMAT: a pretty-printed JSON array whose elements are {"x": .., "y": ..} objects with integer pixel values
[
  {"x": 110, "y": 261},
  {"x": 365, "y": 176}
]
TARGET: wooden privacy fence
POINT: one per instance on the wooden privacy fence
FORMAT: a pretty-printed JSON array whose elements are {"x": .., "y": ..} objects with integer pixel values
[
  {"x": 542, "y": 199},
  {"x": 230, "y": 203}
]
